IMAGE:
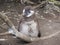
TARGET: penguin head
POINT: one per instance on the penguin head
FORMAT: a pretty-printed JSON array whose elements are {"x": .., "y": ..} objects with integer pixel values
[{"x": 28, "y": 11}]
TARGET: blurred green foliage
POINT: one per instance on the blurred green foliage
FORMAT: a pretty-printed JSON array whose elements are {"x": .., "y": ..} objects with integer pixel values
[
  {"x": 51, "y": 0},
  {"x": 55, "y": 2}
]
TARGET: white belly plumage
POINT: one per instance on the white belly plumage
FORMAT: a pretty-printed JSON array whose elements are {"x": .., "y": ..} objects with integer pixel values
[{"x": 29, "y": 28}]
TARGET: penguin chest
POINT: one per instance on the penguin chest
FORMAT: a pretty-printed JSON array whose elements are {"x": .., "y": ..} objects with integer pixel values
[{"x": 29, "y": 28}]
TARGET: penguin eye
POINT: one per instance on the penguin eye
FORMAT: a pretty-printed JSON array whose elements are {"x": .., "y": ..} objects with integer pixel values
[{"x": 27, "y": 12}]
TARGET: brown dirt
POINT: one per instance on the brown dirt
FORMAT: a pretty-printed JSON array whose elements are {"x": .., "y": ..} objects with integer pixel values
[{"x": 48, "y": 25}]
